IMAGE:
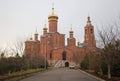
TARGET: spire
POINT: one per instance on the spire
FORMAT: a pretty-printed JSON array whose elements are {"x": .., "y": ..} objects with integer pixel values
[
  {"x": 88, "y": 21},
  {"x": 36, "y": 32},
  {"x": 71, "y": 31},
  {"x": 53, "y": 9},
  {"x": 36, "y": 35},
  {"x": 45, "y": 27},
  {"x": 88, "y": 18}
]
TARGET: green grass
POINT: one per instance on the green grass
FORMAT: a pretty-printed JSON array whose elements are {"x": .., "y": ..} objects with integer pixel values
[{"x": 16, "y": 76}]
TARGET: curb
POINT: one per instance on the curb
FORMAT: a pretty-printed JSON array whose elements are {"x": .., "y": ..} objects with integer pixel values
[{"x": 92, "y": 76}]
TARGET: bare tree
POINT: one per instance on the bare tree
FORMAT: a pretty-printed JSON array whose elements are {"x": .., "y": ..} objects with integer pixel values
[
  {"x": 18, "y": 47},
  {"x": 4, "y": 51},
  {"x": 0, "y": 52},
  {"x": 108, "y": 36}
]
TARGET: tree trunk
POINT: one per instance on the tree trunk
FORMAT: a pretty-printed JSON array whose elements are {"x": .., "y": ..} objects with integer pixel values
[
  {"x": 109, "y": 73},
  {"x": 101, "y": 72}
]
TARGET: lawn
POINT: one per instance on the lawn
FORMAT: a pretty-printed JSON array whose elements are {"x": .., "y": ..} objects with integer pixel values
[{"x": 15, "y": 76}]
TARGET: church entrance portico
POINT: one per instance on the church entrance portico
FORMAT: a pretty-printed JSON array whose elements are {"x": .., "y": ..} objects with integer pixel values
[{"x": 66, "y": 64}]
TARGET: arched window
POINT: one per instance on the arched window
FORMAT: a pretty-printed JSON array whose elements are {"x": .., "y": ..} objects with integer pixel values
[
  {"x": 50, "y": 55},
  {"x": 64, "y": 55},
  {"x": 91, "y": 30}
]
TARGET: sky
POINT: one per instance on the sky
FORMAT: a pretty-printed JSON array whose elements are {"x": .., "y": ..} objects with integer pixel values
[{"x": 20, "y": 18}]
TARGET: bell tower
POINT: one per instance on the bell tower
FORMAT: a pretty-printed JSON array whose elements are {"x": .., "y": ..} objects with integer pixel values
[{"x": 89, "y": 38}]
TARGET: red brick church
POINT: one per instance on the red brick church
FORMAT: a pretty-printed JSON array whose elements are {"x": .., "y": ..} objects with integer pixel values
[{"x": 52, "y": 43}]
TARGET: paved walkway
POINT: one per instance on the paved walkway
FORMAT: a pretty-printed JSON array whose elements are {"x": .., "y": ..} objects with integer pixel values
[{"x": 61, "y": 74}]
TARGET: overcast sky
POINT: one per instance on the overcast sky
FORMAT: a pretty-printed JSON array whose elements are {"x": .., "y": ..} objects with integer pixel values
[{"x": 19, "y": 18}]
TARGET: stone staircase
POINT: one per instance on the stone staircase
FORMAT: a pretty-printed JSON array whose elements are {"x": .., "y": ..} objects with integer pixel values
[{"x": 58, "y": 64}]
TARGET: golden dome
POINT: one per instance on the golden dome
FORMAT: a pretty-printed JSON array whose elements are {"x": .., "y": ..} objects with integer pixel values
[
  {"x": 45, "y": 28},
  {"x": 71, "y": 31},
  {"x": 52, "y": 16}
]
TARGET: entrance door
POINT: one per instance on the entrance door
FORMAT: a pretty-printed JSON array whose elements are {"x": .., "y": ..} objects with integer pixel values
[
  {"x": 64, "y": 55},
  {"x": 66, "y": 64}
]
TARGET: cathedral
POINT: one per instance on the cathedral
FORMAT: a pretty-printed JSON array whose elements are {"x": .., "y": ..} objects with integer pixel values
[{"x": 51, "y": 44}]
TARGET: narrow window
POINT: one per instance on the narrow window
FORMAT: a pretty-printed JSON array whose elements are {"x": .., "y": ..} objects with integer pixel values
[
  {"x": 50, "y": 55},
  {"x": 91, "y": 31},
  {"x": 56, "y": 40},
  {"x": 64, "y": 55}
]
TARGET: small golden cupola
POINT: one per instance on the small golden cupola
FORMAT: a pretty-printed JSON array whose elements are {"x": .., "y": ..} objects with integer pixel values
[
  {"x": 36, "y": 35},
  {"x": 52, "y": 19},
  {"x": 45, "y": 29},
  {"x": 71, "y": 40},
  {"x": 71, "y": 33}
]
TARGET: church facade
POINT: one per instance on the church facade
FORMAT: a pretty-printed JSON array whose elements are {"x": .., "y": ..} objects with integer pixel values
[{"x": 51, "y": 44}]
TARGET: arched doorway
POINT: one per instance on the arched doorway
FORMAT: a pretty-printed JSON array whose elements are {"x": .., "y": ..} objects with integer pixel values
[
  {"x": 66, "y": 64},
  {"x": 64, "y": 55}
]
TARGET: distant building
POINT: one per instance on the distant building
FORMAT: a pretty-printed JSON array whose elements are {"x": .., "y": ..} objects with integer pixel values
[{"x": 52, "y": 43}]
